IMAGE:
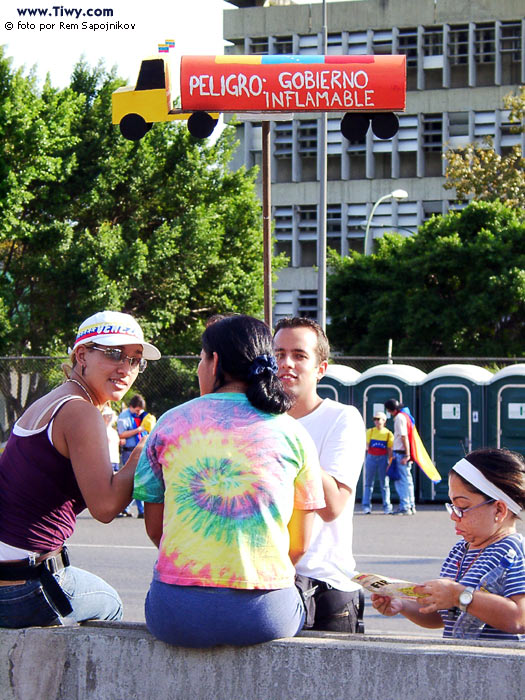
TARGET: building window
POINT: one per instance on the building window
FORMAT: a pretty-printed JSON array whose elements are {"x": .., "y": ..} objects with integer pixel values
[
  {"x": 510, "y": 41},
  {"x": 283, "y": 44},
  {"x": 307, "y": 227},
  {"x": 334, "y": 44},
  {"x": 357, "y": 43},
  {"x": 333, "y": 227},
  {"x": 433, "y": 41},
  {"x": 307, "y": 303},
  {"x": 259, "y": 45},
  {"x": 283, "y": 222},
  {"x": 382, "y": 42},
  {"x": 308, "y": 44},
  {"x": 308, "y": 138},
  {"x": 432, "y": 207},
  {"x": 407, "y": 44},
  {"x": 458, "y": 45},
  {"x": 484, "y": 125},
  {"x": 484, "y": 43},
  {"x": 458, "y": 129},
  {"x": 282, "y": 140},
  {"x": 432, "y": 132}
]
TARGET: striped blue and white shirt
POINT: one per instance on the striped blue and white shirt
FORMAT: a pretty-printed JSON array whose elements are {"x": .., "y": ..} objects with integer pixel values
[{"x": 468, "y": 566}]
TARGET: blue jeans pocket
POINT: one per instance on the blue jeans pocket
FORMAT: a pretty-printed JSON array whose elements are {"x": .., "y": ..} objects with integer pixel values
[{"x": 25, "y": 605}]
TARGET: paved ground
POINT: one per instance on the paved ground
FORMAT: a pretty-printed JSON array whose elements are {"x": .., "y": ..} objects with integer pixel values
[{"x": 404, "y": 547}]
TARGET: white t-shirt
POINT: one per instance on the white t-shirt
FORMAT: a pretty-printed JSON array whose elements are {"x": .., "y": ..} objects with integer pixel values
[
  {"x": 339, "y": 434},
  {"x": 400, "y": 431}
]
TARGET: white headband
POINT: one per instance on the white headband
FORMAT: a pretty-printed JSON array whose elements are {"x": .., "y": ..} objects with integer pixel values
[{"x": 473, "y": 475}]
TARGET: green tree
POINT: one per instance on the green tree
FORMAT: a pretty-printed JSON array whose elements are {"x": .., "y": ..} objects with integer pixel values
[
  {"x": 456, "y": 287},
  {"x": 479, "y": 171},
  {"x": 159, "y": 228}
]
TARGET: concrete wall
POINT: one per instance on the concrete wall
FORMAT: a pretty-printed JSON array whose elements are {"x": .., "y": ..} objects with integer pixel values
[
  {"x": 109, "y": 661},
  {"x": 366, "y": 13}
]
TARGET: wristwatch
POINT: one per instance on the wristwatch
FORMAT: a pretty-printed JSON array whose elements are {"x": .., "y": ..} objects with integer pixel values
[{"x": 465, "y": 598}]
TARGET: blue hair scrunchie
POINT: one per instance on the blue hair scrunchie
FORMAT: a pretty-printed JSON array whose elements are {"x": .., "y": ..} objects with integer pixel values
[{"x": 263, "y": 363}]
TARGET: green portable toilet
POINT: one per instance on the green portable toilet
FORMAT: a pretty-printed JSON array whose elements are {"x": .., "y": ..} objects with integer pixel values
[
  {"x": 338, "y": 383},
  {"x": 380, "y": 383},
  {"x": 505, "y": 416},
  {"x": 451, "y": 421}
]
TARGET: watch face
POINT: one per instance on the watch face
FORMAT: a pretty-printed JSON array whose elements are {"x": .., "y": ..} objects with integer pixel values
[{"x": 465, "y": 597}]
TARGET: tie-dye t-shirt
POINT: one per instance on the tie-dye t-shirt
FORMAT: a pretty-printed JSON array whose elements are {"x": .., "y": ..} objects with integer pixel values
[{"x": 229, "y": 476}]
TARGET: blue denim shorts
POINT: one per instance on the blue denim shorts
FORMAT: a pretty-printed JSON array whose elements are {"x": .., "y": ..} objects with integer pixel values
[{"x": 197, "y": 616}]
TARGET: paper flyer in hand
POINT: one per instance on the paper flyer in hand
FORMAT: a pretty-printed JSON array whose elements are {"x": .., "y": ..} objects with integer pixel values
[{"x": 383, "y": 585}]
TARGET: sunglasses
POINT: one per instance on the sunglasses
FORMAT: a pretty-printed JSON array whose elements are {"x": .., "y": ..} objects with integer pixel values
[
  {"x": 117, "y": 356},
  {"x": 460, "y": 512}
]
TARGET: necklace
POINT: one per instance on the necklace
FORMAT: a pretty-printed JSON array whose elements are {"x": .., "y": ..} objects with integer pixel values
[
  {"x": 83, "y": 389},
  {"x": 462, "y": 573}
]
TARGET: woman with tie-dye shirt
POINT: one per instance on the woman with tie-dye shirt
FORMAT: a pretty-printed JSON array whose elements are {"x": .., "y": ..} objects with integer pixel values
[{"x": 230, "y": 485}]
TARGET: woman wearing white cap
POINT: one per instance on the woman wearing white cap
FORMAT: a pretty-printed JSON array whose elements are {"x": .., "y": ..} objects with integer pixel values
[
  {"x": 55, "y": 464},
  {"x": 487, "y": 490}
]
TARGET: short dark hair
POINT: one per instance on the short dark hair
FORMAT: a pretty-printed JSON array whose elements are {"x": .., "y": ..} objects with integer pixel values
[
  {"x": 503, "y": 468},
  {"x": 323, "y": 346},
  {"x": 393, "y": 405},
  {"x": 137, "y": 401},
  {"x": 238, "y": 340}
]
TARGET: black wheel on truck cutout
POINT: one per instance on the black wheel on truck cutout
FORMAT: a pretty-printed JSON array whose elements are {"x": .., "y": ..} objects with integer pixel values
[{"x": 133, "y": 127}]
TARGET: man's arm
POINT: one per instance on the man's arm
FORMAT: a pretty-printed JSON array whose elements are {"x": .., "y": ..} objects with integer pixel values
[
  {"x": 341, "y": 460},
  {"x": 336, "y": 496}
]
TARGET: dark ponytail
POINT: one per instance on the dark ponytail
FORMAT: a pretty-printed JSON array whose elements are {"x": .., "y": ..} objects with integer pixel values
[{"x": 244, "y": 349}]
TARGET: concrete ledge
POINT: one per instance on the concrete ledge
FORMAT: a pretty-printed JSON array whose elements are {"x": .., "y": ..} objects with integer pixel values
[{"x": 121, "y": 661}]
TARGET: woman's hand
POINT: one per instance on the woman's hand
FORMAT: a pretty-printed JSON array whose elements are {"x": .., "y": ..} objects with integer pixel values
[
  {"x": 386, "y": 605},
  {"x": 440, "y": 594}
]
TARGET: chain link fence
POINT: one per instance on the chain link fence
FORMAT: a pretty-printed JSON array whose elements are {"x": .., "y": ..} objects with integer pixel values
[{"x": 167, "y": 382}]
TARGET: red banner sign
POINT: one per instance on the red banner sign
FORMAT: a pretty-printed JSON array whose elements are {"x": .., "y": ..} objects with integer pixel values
[{"x": 293, "y": 83}]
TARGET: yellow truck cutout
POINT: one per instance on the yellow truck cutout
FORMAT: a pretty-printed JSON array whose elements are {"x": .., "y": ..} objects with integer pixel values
[{"x": 136, "y": 107}]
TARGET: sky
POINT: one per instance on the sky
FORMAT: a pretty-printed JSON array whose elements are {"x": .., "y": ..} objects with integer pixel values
[{"x": 54, "y": 48}]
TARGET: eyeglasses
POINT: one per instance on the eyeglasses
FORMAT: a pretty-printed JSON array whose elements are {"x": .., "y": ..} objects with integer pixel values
[
  {"x": 117, "y": 356},
  {"x": 459, "y": 512},
  {"x": 377, "y": 418}
]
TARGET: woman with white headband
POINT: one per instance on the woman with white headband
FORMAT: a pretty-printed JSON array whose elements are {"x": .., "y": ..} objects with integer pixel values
[
  {"x": 55, "y": 464},
  {"x": 487, "y": 493}
]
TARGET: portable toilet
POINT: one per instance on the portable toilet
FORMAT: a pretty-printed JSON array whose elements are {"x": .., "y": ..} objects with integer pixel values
[
  {"x": 380, "y": 383},
  {"x": 505, "y": 414},
  {"x": 451, "y": 420},
  {"x": 338, "y": 383}
]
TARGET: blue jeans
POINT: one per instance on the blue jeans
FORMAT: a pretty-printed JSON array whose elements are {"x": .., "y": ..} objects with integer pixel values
[
  {"x": 376, "y": 464},
  {"x": 405, "y": 485},
  {"x": 91, "y": 598},
  {"x": 198, "y": 616}
]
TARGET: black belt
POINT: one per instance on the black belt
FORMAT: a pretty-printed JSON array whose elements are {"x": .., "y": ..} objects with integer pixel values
[{"x": 44, "y": 570}]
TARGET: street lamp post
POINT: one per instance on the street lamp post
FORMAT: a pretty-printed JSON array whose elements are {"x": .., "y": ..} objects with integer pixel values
[{"x": 398, "y": 195}]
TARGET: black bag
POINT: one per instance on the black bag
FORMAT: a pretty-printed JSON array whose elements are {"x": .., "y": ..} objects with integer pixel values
[{"x": 329, "y": 609}]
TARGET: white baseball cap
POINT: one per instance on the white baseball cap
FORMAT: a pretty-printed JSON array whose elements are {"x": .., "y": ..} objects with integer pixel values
[
  {"x": 114, "y": 328},
  {"x": 380, "y": 414}
]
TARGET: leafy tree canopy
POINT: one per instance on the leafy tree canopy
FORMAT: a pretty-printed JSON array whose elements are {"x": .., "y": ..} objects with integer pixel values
[
  {"x": 479, "y": 171},
  {"x": 160, "y": 228},
  {"x": 456, "y": 287}
]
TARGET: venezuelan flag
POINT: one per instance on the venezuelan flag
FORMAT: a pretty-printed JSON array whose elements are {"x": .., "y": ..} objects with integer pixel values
[{"x": 418, "y": 452}]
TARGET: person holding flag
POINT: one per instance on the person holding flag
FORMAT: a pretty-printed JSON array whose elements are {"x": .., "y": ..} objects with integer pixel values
[{"x": 408, "y": 447}]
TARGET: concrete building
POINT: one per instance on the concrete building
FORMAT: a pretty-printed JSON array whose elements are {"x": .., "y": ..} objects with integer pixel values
[{"x": 463, "y": 57}]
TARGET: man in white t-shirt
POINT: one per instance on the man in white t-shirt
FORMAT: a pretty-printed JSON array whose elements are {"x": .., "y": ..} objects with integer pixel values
[
  {"x": 325, "y": 571},
  {"x": 405, "y": 484}
]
